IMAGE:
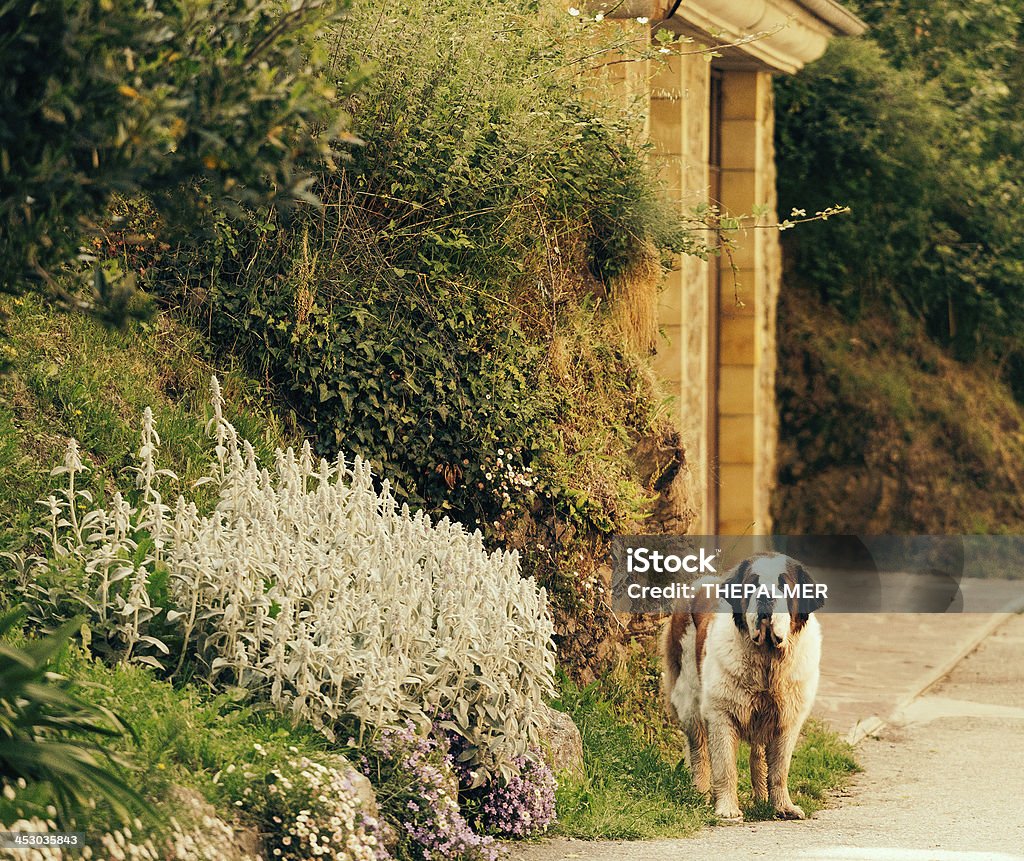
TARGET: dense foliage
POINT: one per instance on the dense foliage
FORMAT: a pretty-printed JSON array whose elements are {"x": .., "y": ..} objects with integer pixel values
[
  {"x": 186, "y": 101},
  {"x": 917, "y": 127},
  {"x": 444, "y": 314},
  {"x": 48, "y": 732},
  {"x": 308, "y": 588}
]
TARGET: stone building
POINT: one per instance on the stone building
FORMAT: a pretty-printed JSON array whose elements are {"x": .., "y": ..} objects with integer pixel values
[{"x": 711, "y": 126}]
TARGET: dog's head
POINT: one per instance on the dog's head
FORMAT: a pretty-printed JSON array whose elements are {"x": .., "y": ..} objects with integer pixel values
[{"x": 778, "y": 598}]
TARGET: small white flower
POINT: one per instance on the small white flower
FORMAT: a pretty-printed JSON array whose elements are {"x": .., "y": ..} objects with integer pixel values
[
  {"x": 643, "y": 20},
  {"x": 574, "y": 11},
  {"x": 599, "y": 17}
]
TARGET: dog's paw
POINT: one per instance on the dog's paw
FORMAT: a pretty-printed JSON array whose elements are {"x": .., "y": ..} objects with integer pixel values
[
  {"x": 791, "y": 811},
  {"x": 729, "y": 814}
]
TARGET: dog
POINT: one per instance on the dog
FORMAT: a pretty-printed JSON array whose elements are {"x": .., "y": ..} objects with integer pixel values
[{"x": 750, "y": 674}]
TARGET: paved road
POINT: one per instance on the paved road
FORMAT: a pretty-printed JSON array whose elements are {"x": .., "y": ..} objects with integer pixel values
[
  {"x": 942, "y": 781},
  {"x": 872, "y": 663}
]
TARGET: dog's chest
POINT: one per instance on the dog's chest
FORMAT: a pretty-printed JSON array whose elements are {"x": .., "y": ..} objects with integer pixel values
[{"x": 766, "y": 698}]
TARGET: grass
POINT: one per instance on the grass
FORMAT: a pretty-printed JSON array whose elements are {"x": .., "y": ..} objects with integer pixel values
[
  {"x": 73, "y": 377},
  {"x": 822, "y": 763},
  {"x": 629, "y": 789},
  {"x": 635, "y": 784},
  {"x": 180, "y": 736},
  {"x": 184, "y": 735}
]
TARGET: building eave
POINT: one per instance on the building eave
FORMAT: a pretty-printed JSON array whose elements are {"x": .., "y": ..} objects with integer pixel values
[
  {"x": 779, "y": 35},
  {"x": 776, "y": 35}
]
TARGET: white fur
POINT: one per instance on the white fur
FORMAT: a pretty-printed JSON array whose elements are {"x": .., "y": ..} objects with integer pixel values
[
  {"x": 768, "y": 570},
  {"x": 748, "y": 691}
]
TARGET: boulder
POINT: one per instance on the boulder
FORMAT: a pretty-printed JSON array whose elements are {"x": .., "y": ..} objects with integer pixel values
[
  {"x": 361, "y": 785},
  {"x": 563, "y": 744}
]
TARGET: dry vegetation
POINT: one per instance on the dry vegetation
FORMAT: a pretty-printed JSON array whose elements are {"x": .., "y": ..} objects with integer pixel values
[{"x": 882, "y": 431}]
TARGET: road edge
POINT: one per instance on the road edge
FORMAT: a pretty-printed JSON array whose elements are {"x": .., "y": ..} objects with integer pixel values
[{"x": 873, "y": 724}]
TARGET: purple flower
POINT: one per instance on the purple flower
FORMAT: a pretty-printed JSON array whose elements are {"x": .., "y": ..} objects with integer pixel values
[{"x": 423, "y": 788}]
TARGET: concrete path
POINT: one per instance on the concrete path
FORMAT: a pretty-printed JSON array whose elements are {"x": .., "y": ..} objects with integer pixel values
[
  {"x": 943, "y": 774},
  {"x": 873, "y": 663}
]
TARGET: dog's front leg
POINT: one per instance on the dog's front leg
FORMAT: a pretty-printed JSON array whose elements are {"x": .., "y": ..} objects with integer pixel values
[
  {"x": 758, "y": 772},
  {"x": 722, "y": 742},
  {"x": 780, "y": 753},
  {"x": 700, "y": 767}
]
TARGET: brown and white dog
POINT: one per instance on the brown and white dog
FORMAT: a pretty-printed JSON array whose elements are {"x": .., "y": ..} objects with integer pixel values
[{"x": 751, "y": 674}]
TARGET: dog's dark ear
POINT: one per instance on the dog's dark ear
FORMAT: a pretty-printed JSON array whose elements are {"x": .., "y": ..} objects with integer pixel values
[
  {"x": 738, "y": 576},
  {"x": 808, "y": 604}
]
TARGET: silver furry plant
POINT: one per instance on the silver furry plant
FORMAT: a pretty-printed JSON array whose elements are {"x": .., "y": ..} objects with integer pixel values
[{"x": 310, "y": 587}]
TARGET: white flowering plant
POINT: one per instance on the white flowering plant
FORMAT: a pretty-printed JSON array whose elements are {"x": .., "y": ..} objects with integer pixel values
[
  {"x": 309, "y": 586},
  {"x": 306, "y": 808}
]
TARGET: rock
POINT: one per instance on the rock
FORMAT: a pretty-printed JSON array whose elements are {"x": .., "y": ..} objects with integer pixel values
[
  {"x": 361, "y": 785},
  {"x": 199, "y": 832},
  {"x": 563, "y": 744}
]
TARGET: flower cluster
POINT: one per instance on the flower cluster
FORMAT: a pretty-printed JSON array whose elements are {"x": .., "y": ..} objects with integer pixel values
[
  {"x": 525, "y": 805},
  {"x": 308, "y": 809},
  {"x": 506, "y": 478},
  {"x": 414, "y": 773},
  {"x": 519, "y": 806}
]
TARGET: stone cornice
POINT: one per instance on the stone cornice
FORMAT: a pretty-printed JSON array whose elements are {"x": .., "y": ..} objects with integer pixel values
[{"x": 796, "y": 32}]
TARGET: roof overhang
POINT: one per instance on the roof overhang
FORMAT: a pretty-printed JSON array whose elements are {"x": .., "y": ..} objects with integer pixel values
[{"x": 774, "y": 35}]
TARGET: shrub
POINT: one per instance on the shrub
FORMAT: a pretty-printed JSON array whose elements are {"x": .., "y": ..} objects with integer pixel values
[
  {"x": 917, "y": 129},
  {"x": 852, "y": 127},
  {"x": 307, "y": 808},
  {"x": 312, "y": 589},
  {"x": 120, "y": 96}
]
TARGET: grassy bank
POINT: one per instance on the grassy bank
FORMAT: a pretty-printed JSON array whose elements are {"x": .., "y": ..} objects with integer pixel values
[
  {"x": 73, "y": 377},
  {"x": 635, "y": 783},
  {"x": 882, "y": 431}
]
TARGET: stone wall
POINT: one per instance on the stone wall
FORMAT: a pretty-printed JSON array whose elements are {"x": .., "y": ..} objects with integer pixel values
[{"x": 716, "y": 355}]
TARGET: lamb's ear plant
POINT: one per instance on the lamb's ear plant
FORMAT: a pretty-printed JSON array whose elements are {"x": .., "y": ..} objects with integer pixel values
[
  {"x": 105, "y": 561},
  {"x": 49, "y": 733},
  {"x": 309, "y": 586}
]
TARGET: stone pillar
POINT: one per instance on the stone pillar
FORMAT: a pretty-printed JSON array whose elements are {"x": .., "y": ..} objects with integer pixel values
[
  {"x": 678, "y": 131},
  {"x": 746, "y": 400}
]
